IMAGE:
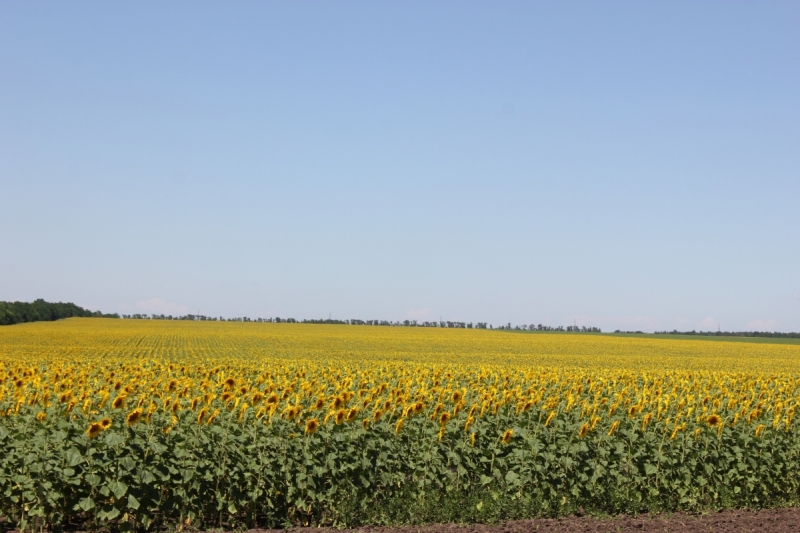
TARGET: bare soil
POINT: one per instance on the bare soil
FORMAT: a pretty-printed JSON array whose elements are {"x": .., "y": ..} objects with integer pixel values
[{"x": 740, "y": 521}]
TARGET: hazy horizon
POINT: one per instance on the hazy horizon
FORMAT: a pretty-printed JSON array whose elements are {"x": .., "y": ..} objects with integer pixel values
[{"x": 623, "y": 165}]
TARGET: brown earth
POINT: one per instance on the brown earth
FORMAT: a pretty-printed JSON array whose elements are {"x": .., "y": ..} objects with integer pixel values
[{"x": 767, "y": 520}]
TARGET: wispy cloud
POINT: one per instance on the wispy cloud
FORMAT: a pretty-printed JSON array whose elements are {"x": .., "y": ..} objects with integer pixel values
[
  {"x": 159, "y": 306},
  {"x": 763, "y": 325},
  {"x": 707, "y": 324}
]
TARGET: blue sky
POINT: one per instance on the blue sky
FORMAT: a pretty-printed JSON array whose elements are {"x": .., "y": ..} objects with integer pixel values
[{"x": 629, "y": 165}]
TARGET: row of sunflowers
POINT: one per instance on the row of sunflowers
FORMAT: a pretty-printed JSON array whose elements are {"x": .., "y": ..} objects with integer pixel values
[{"x": 232, "y": 440}]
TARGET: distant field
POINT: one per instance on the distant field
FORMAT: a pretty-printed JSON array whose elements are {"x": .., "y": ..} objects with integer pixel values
[
  {"x": 89, "y": 338},
  {"x": 131, "y": 424}
]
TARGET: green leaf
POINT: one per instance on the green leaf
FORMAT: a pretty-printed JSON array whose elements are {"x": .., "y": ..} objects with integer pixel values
[
  {"x": 85, "y": 504},
  {"x": 73, "y": 457},
  {"x": 133, "y": 503},
  {"x": 118, "y": 488}
]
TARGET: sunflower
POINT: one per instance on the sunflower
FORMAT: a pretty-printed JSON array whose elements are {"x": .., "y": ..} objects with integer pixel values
[
  {"x": 470, "y": 421},
  {"x": 632, "y": 411},
  {"x": 613, "y": 428},
  {"x": 212, "y": 417},
  {"x": 444, "y": 418},
  {"x": 257, "y": 398},
  {"x": 229, "y": 383},
  {"x": 457, "y": 396},
  {"x": 472, "y": 440},
  {"x": 94, "y": 429},
  {"x": 340, "y": 416},
  {"x": 226, "y": 397},
  {"x": 273, "y": 398},
  {"x": 365, "y": 423},
  {"x": 376, "y": 416},
  {"x": 118, "y": 403},
  {"x": 713, "y": 420},
  {"x": 337, "y": 403},
  {"x": 550, "y": 419},
  {"x": 242, "y": 411},
  {"x": 133, "y": 417},
  {"x": 646, "y": 420},
  {"x": 202, "y": 415},
  {"x": 311, "y": 426},
  {"x": 399, "y": 426},
  {"x": 106, "y": 423},
  {"x": 506, "y": 438},
  {"x": 418, "y": 407},
  {"x": 583, "y": 431},
  {"x": 41, "y": 416},
  {"x": 759, "y": 430},
  {"x": 194, "y": 403}
]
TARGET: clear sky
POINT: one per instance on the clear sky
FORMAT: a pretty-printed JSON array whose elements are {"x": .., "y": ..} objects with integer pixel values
[{"x": 631, "y": 165}]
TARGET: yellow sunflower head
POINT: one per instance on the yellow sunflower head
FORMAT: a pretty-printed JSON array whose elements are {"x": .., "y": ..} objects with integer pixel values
[
  {"x": 106, "y": 423},
  {"x": 41, "y": 416},
  {"x": 118, "y": 403},
  {"x": 311, "y": 426},
  {"x": 94, "y": 430},
  {"x": 133, "y": 417},
  {"x": 713, "y": 420},
  {"x": 509, "y": 433}
]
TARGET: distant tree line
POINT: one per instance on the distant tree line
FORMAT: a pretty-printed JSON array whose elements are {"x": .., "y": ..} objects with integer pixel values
[
  {"x": 539, "y": 327},
  {"x": 39, "y": 310},
  {"x": 773, "y": 334},
  {"x": 358, "y": 322}
]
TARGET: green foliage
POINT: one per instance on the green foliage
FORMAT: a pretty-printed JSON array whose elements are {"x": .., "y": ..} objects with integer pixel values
[
  {"x": 39, "y": 310},
  {"x": 252, "y": 472}
]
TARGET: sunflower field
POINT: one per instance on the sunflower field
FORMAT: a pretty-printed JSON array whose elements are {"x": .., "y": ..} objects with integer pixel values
[{"x": 137, "y": 424}]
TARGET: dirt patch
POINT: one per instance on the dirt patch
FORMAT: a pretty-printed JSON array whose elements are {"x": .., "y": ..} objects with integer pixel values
[{"x": 739, "y": 521}]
